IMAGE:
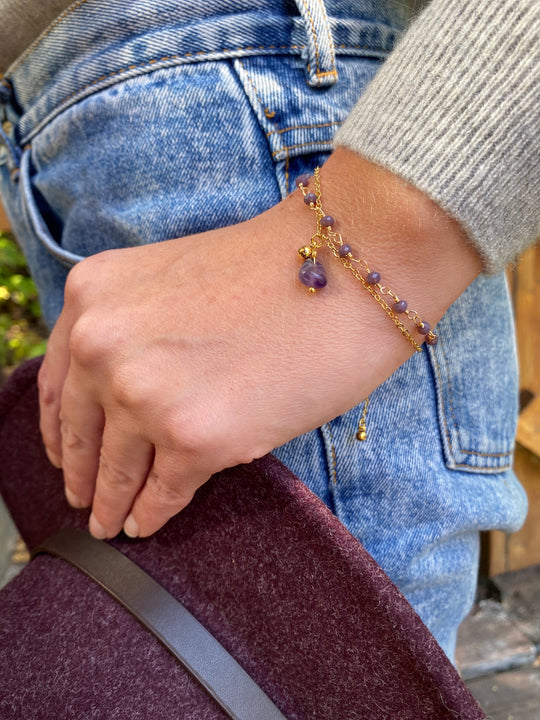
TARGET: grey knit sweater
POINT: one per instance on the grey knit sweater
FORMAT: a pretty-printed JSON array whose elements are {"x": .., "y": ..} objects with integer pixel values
[{"x": 455, "y": 110}]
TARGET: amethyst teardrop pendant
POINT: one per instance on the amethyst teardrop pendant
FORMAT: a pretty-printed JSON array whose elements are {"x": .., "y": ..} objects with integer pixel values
[{"x": 312, "y": 274}]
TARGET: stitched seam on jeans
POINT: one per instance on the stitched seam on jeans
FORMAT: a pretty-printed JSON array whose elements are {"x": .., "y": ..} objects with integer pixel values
[
  {"x": 345, "y": 46},
  {"x": 315, "y": 40},
  {"x": 447, "y": 433},
  {"x": 306, "y": 144},
  {"x": 259, "y": 98},
  {"x": 466, "y": 452},
  {"x": 46, "y": 32},
  {"x": 262, "y": 105},
  {"x": 334, "y": 458},
  {"x": 167, "y": 58},
  {"x": 59, "y": 107},
  {"x": 323, "y": 74},
  {"x": 482, "y": 454},
  {"x": 330, "y": 40},
  {"x": 305, "y": 127},
  {"x": 450, "y": 394},
  {"x": 287, "y": 174},
  {"x": 273, "y": 132},
  {"x": 496, "y": 469}
]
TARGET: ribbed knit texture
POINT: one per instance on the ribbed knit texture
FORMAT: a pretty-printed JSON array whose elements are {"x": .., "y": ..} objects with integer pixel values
[{"x": 455, "y": 111}]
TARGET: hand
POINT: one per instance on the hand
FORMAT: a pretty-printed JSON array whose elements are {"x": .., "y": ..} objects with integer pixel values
[{"x": 173, "y": 361}]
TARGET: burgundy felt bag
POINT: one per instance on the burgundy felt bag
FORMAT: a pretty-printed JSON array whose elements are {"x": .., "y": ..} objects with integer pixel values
[{"x": 271, "y": 575}]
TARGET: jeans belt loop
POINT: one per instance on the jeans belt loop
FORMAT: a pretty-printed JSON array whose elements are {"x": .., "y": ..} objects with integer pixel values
[{"x": 321, "y": 65}]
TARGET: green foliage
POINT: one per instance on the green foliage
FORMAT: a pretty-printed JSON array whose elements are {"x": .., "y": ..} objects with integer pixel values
[{"x": 22, "y": 334}]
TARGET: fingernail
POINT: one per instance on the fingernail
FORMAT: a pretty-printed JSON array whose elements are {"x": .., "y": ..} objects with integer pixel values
[
  {"x": 54, "y": 459},
  {"x": 130, "y": 527},
  {"x": 97, "y": 530},
  {"x": 74, "y": 500}
]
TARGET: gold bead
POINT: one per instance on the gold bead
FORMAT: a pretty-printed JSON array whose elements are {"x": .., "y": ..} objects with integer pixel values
[
  {"x": 312, "y": 290},
  {"x": 361, "y": 435},
  {"x": 305, "y": 252}
]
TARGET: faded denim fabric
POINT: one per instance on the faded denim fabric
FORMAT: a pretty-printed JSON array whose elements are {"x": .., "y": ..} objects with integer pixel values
[{"x": 131, "y": 122}]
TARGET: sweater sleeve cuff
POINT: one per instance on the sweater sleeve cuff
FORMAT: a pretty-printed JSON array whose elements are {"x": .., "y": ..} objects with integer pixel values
[{"x": 455, "y": 112}]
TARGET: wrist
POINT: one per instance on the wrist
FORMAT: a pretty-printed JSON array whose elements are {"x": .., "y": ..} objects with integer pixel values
[
  {"x": 340, "y": 333},
  {"x": 422, "y": 251}
]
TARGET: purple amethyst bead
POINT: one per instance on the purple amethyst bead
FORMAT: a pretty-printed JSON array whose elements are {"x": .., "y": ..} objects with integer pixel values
[
  {"x": 327, "y": 221},
  {"x": 424, "y": 328},
  {"x": 310, "y": 198},
  {"x": 344, "y": 250},
  {"x": 373, "y": 278},
  {"x": 432, "y": 339},
  {"x": 303, "y": 180},
  {"x": 312, "y": 274},
  {"x": 400, "y": 306}
]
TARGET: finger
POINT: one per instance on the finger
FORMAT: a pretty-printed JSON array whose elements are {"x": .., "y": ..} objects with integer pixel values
[
  {"x": 124, "y": 463},
  {"x": 51, "y": 378},
  {"x": 167, "y": 490},
  {"x": 81, "y": 426}
]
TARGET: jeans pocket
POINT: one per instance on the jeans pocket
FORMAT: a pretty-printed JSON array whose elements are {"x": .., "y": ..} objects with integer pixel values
[
  {"x": 182, "y": 163},
  {"x": 30, "y": 207},
  {"x": 297, "y": 120},
  {"x": 476, "y": 379}
]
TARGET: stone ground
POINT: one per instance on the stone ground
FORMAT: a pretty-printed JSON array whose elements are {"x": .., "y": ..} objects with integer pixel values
[{"x": 498, "y": 648}]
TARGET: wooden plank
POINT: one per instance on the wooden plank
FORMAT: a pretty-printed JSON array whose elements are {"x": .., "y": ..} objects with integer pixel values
[
  {"x": 512, "y": 552},
  {"x": 526, "y": 298},
  {"x": 528, "y": 431},
  {"x": 497, "y": 554},
  {"x": 526, "y": 308},
  {"x": 4, "y": 223},
  {"x": 522, "y": 548}
]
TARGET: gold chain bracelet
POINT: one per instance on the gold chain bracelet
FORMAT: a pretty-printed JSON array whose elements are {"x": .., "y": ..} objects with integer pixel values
[{"x": 312, "y": 273}]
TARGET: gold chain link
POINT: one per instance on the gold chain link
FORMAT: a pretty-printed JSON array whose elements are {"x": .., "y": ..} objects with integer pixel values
[{"x": 333, "y": 240}]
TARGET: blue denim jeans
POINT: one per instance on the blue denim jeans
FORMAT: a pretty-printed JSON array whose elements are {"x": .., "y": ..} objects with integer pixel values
[{"x": 136, "y": 121}]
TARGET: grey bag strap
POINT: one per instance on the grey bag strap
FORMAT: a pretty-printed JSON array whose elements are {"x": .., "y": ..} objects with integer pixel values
[{"x": 169, "y": 621}]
